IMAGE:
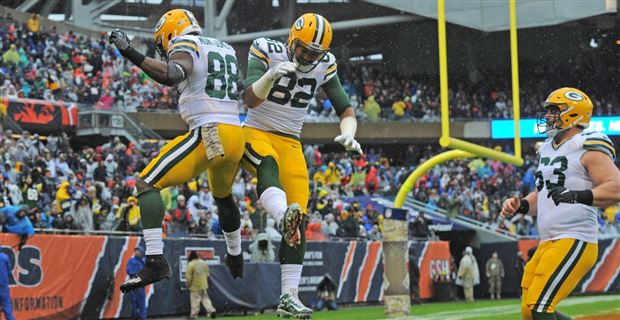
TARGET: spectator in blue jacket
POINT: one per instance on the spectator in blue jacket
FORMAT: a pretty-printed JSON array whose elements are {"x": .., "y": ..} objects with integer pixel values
[
  {"x": 137, "y": 297},
  {"x": 15, "y": 220},
  {"x": 5, "y": 296}
]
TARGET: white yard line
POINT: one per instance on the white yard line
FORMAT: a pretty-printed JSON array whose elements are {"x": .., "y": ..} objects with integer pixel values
[{"x": 501, "y": 310}]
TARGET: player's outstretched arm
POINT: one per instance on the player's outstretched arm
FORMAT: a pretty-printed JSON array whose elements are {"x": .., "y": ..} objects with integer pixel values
[
  {"x": 348, "y": 123},
  {"x": 168, "y": 73},
  {"x": 525, "y": 205}
]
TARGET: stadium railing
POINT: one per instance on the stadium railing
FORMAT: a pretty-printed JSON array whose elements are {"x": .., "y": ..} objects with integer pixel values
[{"x": 475, "y": 224}]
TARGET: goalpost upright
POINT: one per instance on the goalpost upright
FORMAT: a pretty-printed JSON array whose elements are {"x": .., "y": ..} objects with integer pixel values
[{"x": 461, "y": 148}]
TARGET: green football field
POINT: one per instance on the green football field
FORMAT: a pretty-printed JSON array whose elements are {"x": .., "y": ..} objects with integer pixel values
[{"x": 608, "y": 307}]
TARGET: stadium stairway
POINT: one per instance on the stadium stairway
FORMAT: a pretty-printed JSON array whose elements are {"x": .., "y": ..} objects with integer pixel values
[
  {"x": 483, "y": 232},
  {"x": 112, "y": 123}
]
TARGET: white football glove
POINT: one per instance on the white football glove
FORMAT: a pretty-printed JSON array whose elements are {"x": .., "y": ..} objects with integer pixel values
[
  {"x": 280, "y": 70},
  {"x": 349, "y": 143}
]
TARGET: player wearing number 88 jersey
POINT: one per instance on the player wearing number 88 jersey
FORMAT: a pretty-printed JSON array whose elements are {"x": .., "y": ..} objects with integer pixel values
[
  {"x": 576, "y": 174},
  {"x": 206, "y": 73},
  {"x": 281, "y": 81}
]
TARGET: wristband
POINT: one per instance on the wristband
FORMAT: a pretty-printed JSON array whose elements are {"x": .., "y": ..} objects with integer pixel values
[
  {"x": 524, "y": 207},
  {"x": 133, "y": 55},
  {"x": 585, "y": 197}
]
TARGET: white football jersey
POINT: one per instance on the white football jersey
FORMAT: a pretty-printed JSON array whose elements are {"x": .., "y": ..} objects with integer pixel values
[
  {"x": 561, "y": 166},
  {"x": 286, "y": 106},
  {"x": 209, "y": 93}
]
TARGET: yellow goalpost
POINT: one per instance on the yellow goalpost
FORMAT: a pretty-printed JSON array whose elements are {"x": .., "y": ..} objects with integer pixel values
[
  {"x": 464, "y": 149},
  {"x": 396, "y": 293}
]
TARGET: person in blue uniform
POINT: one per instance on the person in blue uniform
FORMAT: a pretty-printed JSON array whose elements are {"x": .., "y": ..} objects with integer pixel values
[
  {"x": 5, "y": 296},
  {"x": 137, "y": 297}
]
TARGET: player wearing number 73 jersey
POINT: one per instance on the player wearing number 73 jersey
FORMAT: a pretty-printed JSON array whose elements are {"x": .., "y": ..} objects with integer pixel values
[
  {"x": 205, "y": 71},
  {"x": 281, "y": 81},
  {"x": 576, "y": 174}
]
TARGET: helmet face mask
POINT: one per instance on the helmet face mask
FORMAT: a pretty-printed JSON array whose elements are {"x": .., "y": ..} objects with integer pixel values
[
  {"x": 549, "y": 120},
  {"x": 306, "y": 57}
]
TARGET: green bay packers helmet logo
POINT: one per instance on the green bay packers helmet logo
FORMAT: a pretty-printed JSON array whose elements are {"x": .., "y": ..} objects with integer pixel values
[
  {"x": 572, "y": 95},
  {"x": 299, "y": 24},
  {"x": 160, "y": 23}
]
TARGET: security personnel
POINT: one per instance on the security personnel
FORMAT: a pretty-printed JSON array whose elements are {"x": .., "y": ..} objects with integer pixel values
[{"x": 137, "y": 297}]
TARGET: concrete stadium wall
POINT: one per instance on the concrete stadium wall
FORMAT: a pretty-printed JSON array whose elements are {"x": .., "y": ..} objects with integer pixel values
[{"x": 170, "y": 125}]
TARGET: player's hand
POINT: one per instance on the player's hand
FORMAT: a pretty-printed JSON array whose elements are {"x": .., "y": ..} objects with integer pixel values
[
  {"x": 349, "y": 143},
  {"x": 281, "y": 69},
  {"x": 562, "y": 194},
  {"x": 120, "y": 40},
  {"x": 510, "y": 206}
]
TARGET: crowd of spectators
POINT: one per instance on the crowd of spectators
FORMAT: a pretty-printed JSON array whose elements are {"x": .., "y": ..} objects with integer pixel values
[
  {"x": 55, "y": 66},
  {"x": 61, "y": 188},
  {"x": 94, "y": 188},
  {"x": 46, "y": 64}
]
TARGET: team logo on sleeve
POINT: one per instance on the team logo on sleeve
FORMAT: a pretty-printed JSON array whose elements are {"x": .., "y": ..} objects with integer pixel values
[
  {"x": 575, "y": 96},
  {"x": 299, "y": 23}
]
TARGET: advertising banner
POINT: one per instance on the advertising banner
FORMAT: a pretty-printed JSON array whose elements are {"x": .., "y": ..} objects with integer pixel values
[
  {"x": 40, "y": 115},
  {"x": 66, "y": 277}
]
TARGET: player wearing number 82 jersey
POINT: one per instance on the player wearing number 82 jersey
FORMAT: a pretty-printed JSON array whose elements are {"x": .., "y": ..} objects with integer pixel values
[
  {"x": 281, "y": 81},
  {"x": 576, "y": 174},
  {"x": 206, "y": 73}
]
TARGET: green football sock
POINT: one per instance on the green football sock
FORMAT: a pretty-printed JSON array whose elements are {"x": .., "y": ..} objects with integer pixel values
[
  {"x": 151, "y": 209},
  {"x": 560, "y": 316},
  {"x": 228, "y": 211},
  {"x": 268, "y": 175}
]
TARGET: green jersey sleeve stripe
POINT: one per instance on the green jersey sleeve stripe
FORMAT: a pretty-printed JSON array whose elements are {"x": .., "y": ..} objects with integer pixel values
[{"x": 603, "y": 148}]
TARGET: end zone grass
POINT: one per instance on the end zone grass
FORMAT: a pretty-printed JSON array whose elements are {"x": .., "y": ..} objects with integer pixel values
[{"x": 582, "y": 308}]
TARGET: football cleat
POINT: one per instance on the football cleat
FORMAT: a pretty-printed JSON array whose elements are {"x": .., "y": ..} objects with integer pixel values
[
  {"x": 290, "y": 223},
  {"x": 235, "y": 265},
  {"x": 291, "y": 307},
  {"x": 156, "y": 268}
]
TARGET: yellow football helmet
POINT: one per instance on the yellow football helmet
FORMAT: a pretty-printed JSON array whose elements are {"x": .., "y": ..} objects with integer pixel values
[
  {"x": 313, "y": 34},
  {"x": 174, "y": 23},
  {"x": 565, "y": 108}
]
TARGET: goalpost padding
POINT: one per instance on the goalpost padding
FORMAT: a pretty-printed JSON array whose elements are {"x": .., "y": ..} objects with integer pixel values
[{"x": 395, "y": 256}]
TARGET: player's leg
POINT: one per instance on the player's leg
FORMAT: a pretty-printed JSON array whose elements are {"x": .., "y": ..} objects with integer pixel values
[
  {"x": 294, "y": 177},
  {"x": 178, "y": 161},
  {"x": 222, "y": 171},
  {"x": 262, "y": 160},
  {"x": 528, "y": 277},
  {"x": 561, "y": 268}
]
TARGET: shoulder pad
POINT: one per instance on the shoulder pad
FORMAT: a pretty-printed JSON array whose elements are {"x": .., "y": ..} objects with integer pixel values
[
  {"x": 262, "y": 49},
  {"x": 331, "y": 68},
  {"x": 187, "y": 43},
  {"x": 599, "y": 141},
  {"x": 329, "y": 59}
]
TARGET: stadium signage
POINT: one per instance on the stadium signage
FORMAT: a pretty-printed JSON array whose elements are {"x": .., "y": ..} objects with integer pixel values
[
  {"x": 26, "y": 264},
  {"x": 504, "y": 129}
]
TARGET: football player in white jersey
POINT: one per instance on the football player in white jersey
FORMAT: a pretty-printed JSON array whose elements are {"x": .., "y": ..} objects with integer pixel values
[
  {"x": 206, "y": 72},
  {"x": 281, "y": 81},
  {"x": 576, "y": 174}
]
